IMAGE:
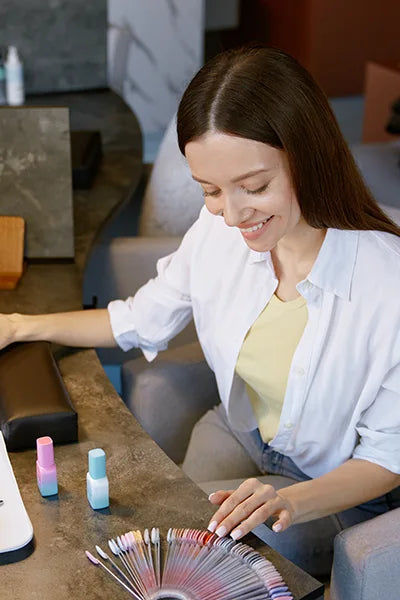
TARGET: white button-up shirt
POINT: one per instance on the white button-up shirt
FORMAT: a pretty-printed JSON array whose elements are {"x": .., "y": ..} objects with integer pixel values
[{"x": 343, "y": 391}]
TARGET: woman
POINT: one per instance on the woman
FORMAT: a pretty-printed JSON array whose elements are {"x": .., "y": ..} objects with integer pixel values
[{"x": 292, "y": 275}]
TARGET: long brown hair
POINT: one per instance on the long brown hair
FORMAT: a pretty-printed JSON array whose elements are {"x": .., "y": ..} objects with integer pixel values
[{"x": 264, "y": 94}]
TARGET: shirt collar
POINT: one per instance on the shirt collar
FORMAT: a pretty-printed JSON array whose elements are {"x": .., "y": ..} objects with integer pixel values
[{"x": 334, "y": 266}]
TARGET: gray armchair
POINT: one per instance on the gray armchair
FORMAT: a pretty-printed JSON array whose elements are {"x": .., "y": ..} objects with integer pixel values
[{"x": 170, "y": 394}]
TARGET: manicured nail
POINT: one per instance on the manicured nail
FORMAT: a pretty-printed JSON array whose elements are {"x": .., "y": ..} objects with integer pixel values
[
  {"x": 236, "y": 534},
  {"x": 221, "y": 531},
  {"x": 277, "y": 527},
  {"x": 211, "y": 495},
  {"x": 212, "y": 526}
]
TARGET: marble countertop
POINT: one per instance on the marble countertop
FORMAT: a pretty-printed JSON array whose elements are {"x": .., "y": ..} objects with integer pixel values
[{"x": 121, "y": 165}]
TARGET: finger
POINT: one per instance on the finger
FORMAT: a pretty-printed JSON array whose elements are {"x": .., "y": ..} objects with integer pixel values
[
  {"x": 245, "y": 518},
  {"x": 283, "y": 522},
  {"x": 237, "y": 496},
  {"x": 240, "y": 505},
  {"x": 219, "y": 496},
  {"x": 259, "y": 516}
]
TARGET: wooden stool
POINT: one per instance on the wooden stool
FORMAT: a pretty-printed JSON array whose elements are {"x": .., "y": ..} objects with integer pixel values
[{"x": 11, "y": 251}]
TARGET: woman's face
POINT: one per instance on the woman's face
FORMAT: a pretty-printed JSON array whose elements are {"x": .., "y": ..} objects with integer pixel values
[{"x": 250, "y": 183}]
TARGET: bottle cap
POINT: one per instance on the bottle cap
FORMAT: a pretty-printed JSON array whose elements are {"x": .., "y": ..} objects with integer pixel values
[
  {"x": 45, "y": 451},
  {"x": 97, "y": 463},
  {"x": 13, "y": 53}
]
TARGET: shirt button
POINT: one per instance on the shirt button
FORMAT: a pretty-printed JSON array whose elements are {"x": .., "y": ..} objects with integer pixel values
[
  {"x": 288, "y": 425},
  {"x": 299, "y": 371}
]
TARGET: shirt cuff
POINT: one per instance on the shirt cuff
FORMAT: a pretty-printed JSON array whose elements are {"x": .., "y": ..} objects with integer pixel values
[
  {"x": 123, "y": 329},
  {"x": 122, "y": 326}
]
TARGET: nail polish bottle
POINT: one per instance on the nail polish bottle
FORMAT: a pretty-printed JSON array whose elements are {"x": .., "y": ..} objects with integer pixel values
[
  {"x": 96, "y": 480},
  {"x": 46, "y": 471}
]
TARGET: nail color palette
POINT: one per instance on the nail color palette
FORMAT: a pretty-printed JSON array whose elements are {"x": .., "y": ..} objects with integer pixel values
[{"x": 196, "y": 565}]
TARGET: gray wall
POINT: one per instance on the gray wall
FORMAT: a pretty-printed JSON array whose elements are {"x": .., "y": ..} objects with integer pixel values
[{"x": 63, "y": 43}]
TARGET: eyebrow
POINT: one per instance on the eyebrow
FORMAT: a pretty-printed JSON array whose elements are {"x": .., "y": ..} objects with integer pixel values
[{"x": 236, "y": 179}]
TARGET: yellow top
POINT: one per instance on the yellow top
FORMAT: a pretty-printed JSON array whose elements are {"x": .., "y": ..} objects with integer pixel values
[{"x": 265, "y": 358}]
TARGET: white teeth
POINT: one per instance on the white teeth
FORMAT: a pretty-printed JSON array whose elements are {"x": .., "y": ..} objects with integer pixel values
[{"x": 255, "y": 227}]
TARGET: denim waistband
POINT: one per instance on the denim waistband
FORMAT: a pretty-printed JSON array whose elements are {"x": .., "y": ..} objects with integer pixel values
[{"x": 269, "y": 461}]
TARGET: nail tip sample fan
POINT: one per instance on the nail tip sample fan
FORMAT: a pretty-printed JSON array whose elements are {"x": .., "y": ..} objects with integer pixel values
[{"x": 198, "y": 565}]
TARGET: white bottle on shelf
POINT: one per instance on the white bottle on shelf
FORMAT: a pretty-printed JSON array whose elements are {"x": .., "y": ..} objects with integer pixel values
[{"x": 14, "y": 78}]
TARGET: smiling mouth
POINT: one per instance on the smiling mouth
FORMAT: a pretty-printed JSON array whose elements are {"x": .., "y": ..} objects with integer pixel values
[{"x": 255, "y": 227}]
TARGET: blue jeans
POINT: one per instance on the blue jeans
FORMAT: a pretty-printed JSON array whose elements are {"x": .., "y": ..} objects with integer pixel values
[{"x": 273, "y": 463}]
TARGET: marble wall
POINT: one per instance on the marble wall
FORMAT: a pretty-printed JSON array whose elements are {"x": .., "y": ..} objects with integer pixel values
[
  {"x": 154, "y": 49},
  {"x": 63, "y": 43},
  {"x": 35, "y": 178}
]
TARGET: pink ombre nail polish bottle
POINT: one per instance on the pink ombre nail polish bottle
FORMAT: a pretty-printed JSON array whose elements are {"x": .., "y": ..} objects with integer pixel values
[{"x": 46, "y": 471}]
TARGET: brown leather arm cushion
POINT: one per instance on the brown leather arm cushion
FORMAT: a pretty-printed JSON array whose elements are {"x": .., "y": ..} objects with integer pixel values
[{"x": 33, "y": 399}]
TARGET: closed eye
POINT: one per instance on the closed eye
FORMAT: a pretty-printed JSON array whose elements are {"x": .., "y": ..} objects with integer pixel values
[
  {"x": 258, "y": 191},
  {"x": 215, "y": 193}
]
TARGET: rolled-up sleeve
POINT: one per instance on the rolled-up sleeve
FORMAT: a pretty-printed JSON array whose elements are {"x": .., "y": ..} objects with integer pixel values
[
  {"x": 379, "y": 426},
  {"x": 161, "y": 308}
]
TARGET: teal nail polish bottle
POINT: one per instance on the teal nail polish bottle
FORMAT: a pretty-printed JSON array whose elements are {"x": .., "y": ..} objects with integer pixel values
[{"x": 96, "y": 480}]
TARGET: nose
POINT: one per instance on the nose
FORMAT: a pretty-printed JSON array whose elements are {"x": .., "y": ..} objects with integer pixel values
[
  {"x": 234, "y": 212},
  {"x": 230, "y": 207}
]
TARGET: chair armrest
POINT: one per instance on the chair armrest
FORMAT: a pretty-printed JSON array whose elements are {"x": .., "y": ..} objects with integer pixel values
[
  {"x": 366, "y": 562},
  {"x": 119, "y": 267},
  {"x": 169, "y": 395}
]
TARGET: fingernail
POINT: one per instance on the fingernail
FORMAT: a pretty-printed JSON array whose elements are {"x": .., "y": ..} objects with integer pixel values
[
  {"x": 212, "y": 526},
  {"x": 221, "y": 531},
  {"x": 211, "y": 495},
  {"x": 236, "y": 534},
  {"x": 277, "y": 527}
]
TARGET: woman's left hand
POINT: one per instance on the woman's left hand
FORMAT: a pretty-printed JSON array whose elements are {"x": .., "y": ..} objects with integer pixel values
[{"x": 251, "y": 504}]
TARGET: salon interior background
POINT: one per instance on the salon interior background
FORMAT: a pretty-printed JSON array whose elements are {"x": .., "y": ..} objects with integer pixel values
[{"x": 152, "y": 48}]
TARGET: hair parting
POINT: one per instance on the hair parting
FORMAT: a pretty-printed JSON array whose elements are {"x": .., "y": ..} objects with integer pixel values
[{"x": 263, "y": 94}]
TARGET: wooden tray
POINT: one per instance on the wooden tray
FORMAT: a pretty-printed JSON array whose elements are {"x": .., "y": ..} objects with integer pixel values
[{"x": 12, "y": 231}]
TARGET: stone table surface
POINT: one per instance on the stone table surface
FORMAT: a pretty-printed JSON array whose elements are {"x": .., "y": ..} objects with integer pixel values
[{"x": 146, "y": 490}]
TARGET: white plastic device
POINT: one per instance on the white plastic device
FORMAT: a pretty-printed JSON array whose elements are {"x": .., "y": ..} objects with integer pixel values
[{"x": 15, "y": 526}]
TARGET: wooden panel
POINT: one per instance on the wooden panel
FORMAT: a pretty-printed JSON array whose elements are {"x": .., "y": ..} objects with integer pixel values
[
  {"x": 348, "y": 34},
  {"x": 382, "y": 88},
  {"x": 332, "y": 39},
  {"x": 11, "y": 251}
]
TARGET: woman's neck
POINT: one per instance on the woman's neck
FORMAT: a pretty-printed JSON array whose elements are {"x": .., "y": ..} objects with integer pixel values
[
  {"x": 294, "y": 256},
  {"x": 299, "y": 247}
]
